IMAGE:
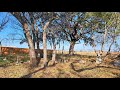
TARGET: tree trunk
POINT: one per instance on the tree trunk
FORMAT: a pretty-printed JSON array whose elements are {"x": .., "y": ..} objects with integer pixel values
[
  {"x": 63, "y": 48},
  {"x": 45, "y": 45},
  {"x": 104, "y": 38},
  {"x": 31, "y": 46},
  {"x": 37, "y": 38},
  {"x": 33, "y": 33},
  {"x": 108, "y": 52},
  {"x": 71, "y": 49},
  {"x": 44, "y": 48},
  {"x": 54, "y": 53},
  {"x": 32, "y": 19},
  {"x": 38, "y": 48}
]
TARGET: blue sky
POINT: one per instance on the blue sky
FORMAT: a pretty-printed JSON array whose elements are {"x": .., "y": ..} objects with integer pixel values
[{"x": 9, "y": 30}]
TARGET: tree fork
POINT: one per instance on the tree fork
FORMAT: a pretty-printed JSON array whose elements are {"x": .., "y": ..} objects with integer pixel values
[{"x": 71, "y": 49}]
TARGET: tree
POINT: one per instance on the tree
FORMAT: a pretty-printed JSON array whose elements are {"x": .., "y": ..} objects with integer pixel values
[
  {"x": 75, "y": 26},
  {"x": 114, "y": 28},
  {"x": 54, "y": 36},
  {"x": 94, "y": 28},
  {"x": 30, "y": 19},
  {"x": 45, "y": 18},
  {"x": 20, "y": 16},
  {"x": 105, "y": 33}
]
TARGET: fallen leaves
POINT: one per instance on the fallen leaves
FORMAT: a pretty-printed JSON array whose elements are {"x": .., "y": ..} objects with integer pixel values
[{"x": 80, "y": 69}]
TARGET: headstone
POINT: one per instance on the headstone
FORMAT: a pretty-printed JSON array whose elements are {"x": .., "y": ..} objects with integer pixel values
[
  {"x": 38, "y": 55},
  {"x": 98, "y": 59},
  {"x": 4, "y": 59}
]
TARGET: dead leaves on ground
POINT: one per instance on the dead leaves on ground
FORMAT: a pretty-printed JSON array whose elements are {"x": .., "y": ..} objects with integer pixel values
[{"x": 71, "y": 69}]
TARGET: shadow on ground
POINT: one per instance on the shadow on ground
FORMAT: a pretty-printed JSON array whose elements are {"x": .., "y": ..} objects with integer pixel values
[
  {"x": 30, "y": 74},
  {"x": 90, "y": 68}
]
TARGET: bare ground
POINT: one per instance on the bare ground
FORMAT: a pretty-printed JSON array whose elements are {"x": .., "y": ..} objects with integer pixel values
[{"x": 71, "y": 69}]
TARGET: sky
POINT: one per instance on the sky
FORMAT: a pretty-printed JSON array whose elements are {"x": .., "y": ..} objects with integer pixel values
[{"x": 9, "y": 31}]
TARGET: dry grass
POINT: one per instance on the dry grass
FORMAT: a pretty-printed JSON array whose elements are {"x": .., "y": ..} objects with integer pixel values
[{"x": 71, "y": 69}]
